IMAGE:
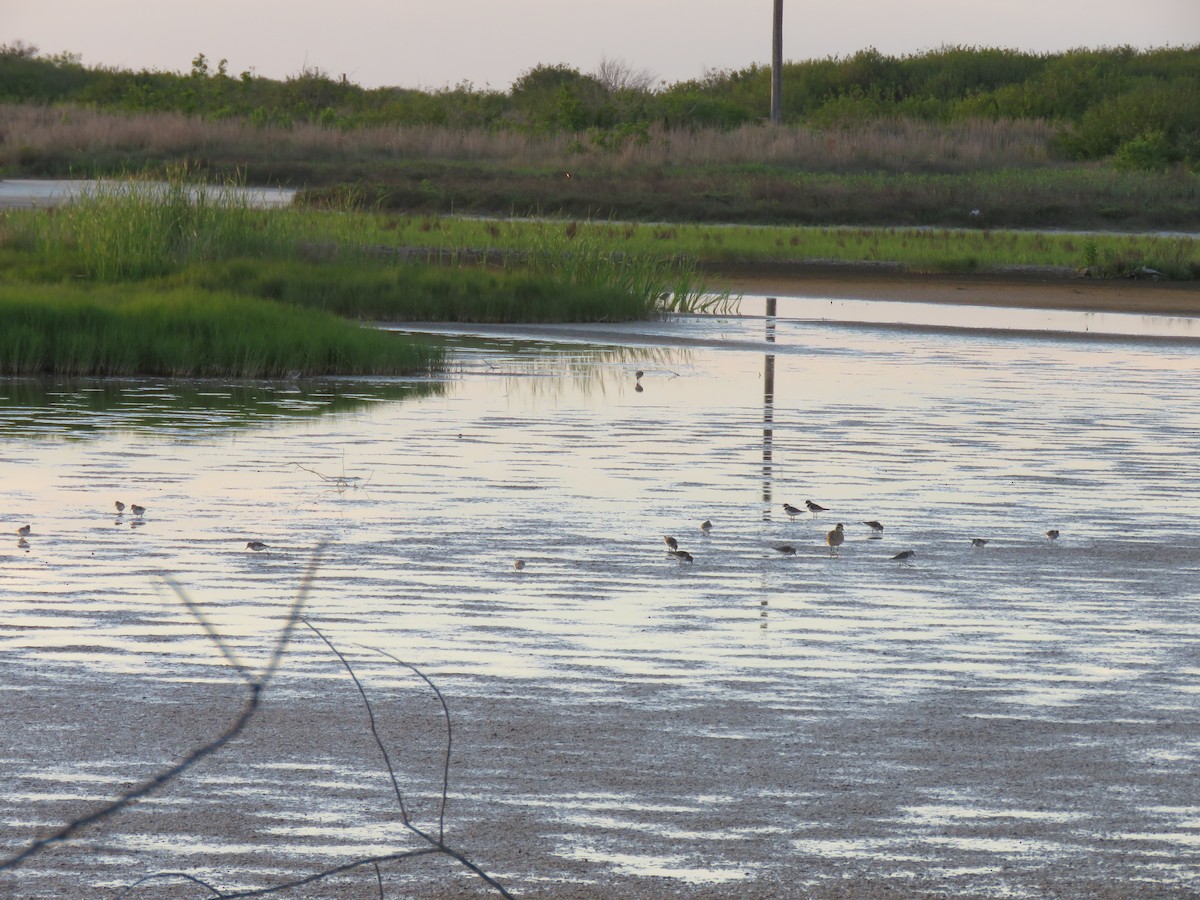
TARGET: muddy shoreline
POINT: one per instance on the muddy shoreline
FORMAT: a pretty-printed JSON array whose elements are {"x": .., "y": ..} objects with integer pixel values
[{"x": 1023, "y": 289}]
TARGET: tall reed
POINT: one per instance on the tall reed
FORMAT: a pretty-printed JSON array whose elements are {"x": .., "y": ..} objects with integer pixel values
[{"x": 136, "y": 229}]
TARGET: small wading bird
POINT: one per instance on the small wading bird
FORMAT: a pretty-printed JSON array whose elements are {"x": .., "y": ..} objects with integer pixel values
[
  {"x": 120, "y": 507},
  {"x": 834, "y": 538},
  {"x": 137, "y": 510},
  {"x": 670, "y": 542},
  {"x": 706, "y": 526},
  {"x": 904, "y": 556},
  {"x": 1052, "y": 534},
  {"x": 815, "y": 508},
  {"x": 256, "y": 546},
  {"x": 874, "y": 526},
  {"x": 786, "y": 549},
  {"x": 791, "y": 510},
  {"x": 978, "y": 542},
  {"x": 681, "y": 555},
  {"x": 519, "y": 564},
  {"x": 24, "y": 530}
]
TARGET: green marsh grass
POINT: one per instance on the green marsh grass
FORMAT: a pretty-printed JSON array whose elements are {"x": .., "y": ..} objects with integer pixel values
[
  {"x": 185, "y": 332},
  {"x": 919, "y": 250},
  {"x": 414, "y": 293},
  {"x": 132, "y": 229}
]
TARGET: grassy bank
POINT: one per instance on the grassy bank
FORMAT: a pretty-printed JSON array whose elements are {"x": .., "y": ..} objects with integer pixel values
[
  {"x": 112, "y": 330},
  {"x": 184, "y": 279}
]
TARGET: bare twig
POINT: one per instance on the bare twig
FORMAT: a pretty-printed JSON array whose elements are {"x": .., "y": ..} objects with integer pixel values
[
  {"x": 449, "y": 737},
  {"x": 387, "y": 760},
  {"x": 341, "y": 482},
  {"x": 439, "y": 843},
  {"x": 213, "y": 634},
  {"x": 256, "y": 686},
  {"x": 172, "y": 772}
]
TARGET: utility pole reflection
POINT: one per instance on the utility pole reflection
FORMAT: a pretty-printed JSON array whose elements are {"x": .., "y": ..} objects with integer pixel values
[
  {"x": 768, "y": 427},
  {"x": 768, "y": 408}
]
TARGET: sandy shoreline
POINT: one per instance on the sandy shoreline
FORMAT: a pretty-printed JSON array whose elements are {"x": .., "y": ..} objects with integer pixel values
[{"x": 1018, "y": 290}]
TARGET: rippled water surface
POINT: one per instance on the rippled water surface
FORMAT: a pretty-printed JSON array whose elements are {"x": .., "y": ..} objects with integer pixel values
[{"x": 1025, "y": 659}]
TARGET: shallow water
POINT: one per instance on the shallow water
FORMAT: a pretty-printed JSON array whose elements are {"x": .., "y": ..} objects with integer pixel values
[
  {"x": 547, "y": 451},
  {"x": 42, "y": 193}
]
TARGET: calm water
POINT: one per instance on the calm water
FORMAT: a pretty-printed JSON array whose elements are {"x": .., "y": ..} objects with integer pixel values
[{"x": 548, "y": 452}]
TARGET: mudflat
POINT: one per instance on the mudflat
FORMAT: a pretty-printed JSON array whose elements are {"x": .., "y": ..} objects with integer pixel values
[{"x": 1018, "y": 289}]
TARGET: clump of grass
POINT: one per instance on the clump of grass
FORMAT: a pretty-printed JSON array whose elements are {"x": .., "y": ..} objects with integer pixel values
[
  {"x": 582, "y": 256},
  {"x": 181, "y": 332}
]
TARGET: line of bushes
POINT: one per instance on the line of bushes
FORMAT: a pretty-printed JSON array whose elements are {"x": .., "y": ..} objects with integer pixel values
[{"x": 1100, "y": 100}]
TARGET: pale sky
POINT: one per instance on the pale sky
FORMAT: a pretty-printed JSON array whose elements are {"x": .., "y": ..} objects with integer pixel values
[{"x": 435, "y": 43}]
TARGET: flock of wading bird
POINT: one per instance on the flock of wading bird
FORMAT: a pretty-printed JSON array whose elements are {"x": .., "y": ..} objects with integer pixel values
[
  {"x": 833, "y": 539},
  {"x": 137, "y": 514}
]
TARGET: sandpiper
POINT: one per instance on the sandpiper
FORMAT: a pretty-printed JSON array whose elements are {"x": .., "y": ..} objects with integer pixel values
[
  {"x": 786, "y": 549},
  {"x": 978, "y": 542},
  {"x": 670, "y": 542},
  {"x": 815, "y": 508},
  {"x": 681, "y": 555},
  {"x": 706, "y": 526},
  {"x": 137, "y": 510},
  {"x": 120, "y": 507},
  {"x": 904, "y": 556},
  {"x": 874, "y": 526},
  {"x": 1052, "y": 534},
  {"x": 638, "y": 374},
  {"x": 834, "y": 538},
  {"x": 791, "y": 510},
  {"x": 24, "y": 530},
  {"x": 256, "y": 545},
  {"x": 518, "y": 564}
]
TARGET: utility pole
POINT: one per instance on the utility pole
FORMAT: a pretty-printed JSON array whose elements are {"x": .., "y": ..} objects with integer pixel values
[{"x": 777, "y": 65}]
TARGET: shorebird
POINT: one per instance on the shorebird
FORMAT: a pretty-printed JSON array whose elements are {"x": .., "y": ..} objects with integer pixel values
[
  {"x": 256, "y": 546},
  {"x": 137, "y": 510},
  {"x": 904, "y": 556},
  {"x": 786, "y": 549},
  {"x": 791, "y": 510},
  {"x": 24, "y": 530},
  {"x": 1052, "y": 534},
  {"x": 815, "y": 508},
  {"x": 518, "y": 564},
  {"x": 874, "y": 526},
  {"x": 670, "y": 542},
  {"x": 681, "y": 555},
  {"x": 120, "y": 507},
  {"x": 638, "y": 374},
  {"x": 978, "y": 542},
  {"x": 706, "y": 526},
  {"x": 834, "y": 538}
]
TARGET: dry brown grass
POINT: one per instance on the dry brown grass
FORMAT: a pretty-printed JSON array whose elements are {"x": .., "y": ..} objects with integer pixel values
[{"x": 27, "y": 132}]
